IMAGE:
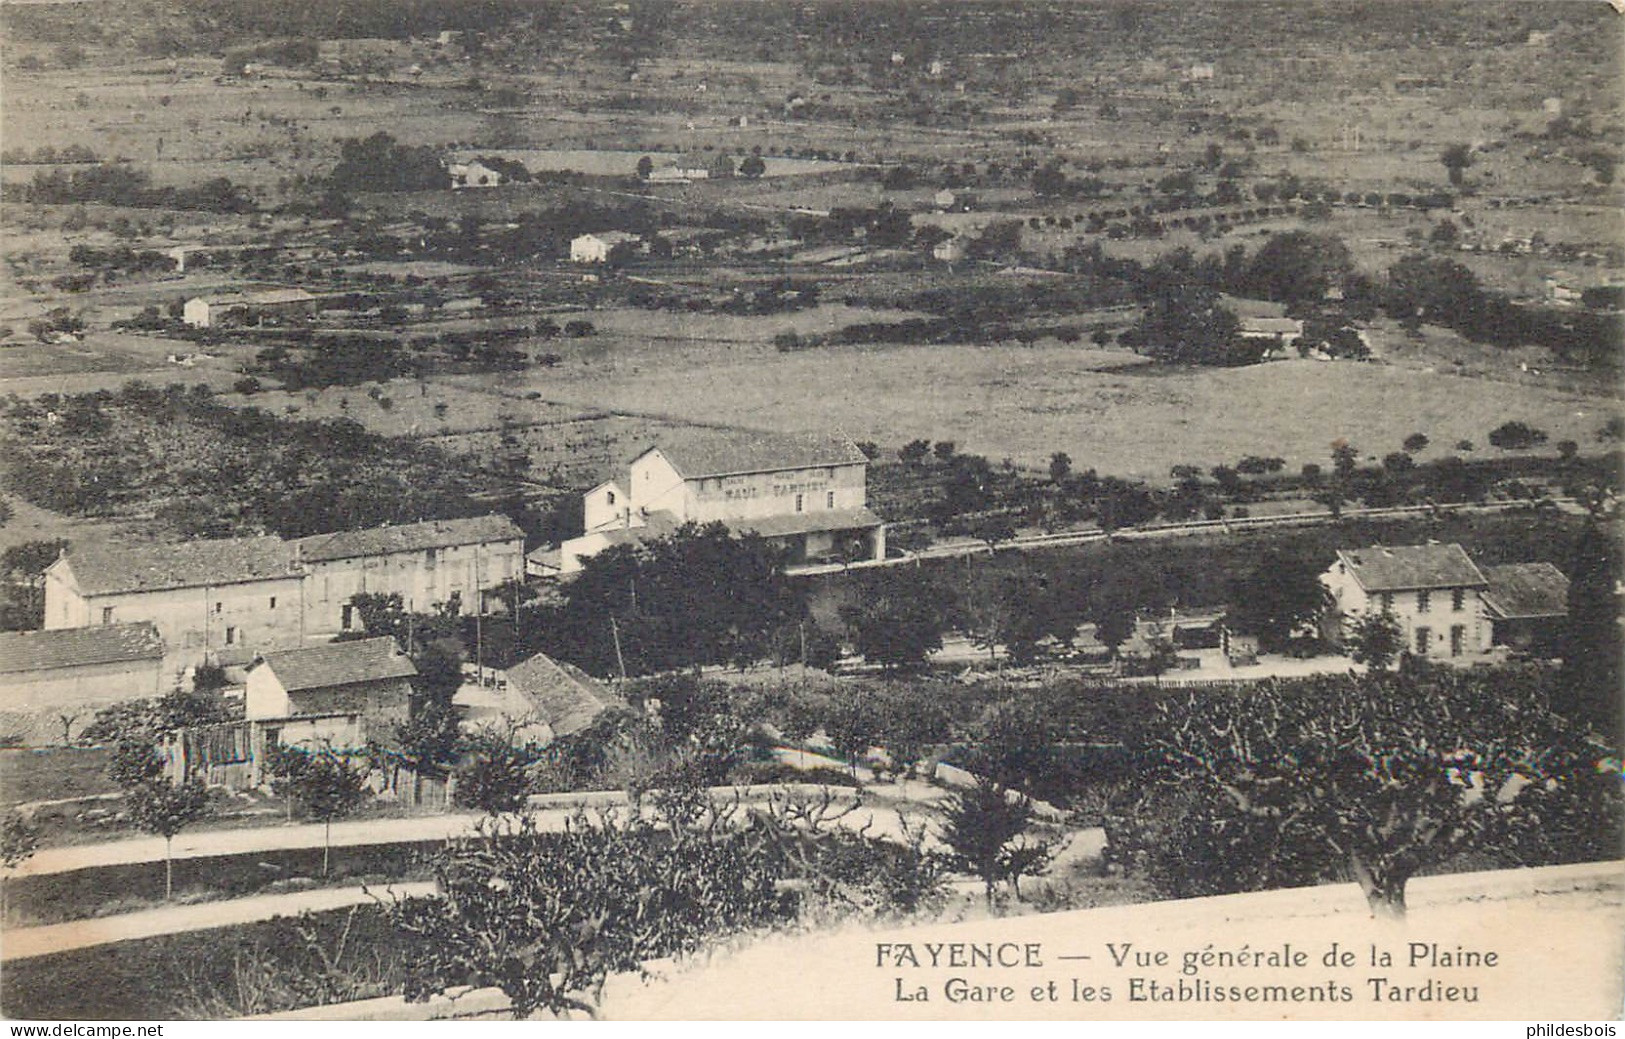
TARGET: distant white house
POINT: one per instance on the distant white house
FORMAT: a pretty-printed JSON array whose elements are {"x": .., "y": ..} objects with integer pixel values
[
  {"x": 474, "y": 174},
  {"x": 950, "y": 250},
  {"x": 245, "y": 308},
  {"x": 602, "y": 246}
]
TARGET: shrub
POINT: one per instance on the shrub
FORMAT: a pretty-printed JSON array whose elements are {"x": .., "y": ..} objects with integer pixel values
[{"x": 1516, "y": 436}]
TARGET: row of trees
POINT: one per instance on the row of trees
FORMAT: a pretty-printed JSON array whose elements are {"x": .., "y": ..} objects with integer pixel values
[{"x": 1370, "y": 779}]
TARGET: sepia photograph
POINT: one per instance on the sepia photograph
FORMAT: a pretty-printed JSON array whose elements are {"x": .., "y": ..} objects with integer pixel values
[{"x": 812, "y": 510}]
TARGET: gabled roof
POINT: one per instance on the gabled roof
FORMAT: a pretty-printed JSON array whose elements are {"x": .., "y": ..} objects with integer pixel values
[
  {"x": 1396, "y": 568},
  {"x": 339, "y": 663},
  {"x": 737, "y": 452},
  {"x": 22, "y": 651},
  {"x": 806, "y": 522},
  {"x": 563, "y": 697},
  {"x": 1274, "y": 326},
  {"x": 408, "y": 537},
  {"x": 1521, "y": 591},
  {"x": 258, "y": 297},
  {"x": 610, "y": 237},
  {"x": 103, "y": 568}
]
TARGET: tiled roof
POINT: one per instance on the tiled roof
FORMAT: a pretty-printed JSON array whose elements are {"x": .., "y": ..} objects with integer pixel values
[
  {"x": 76, "y": 647},
  {"x": 258, "y": 297},
  {"x": 102, "y": 568},
  {"x": 612, "y": 237},
  {"x": 339, "y": 663},
  {"x": 562, "y": 696},
  {"x": 408, "y": 537},
  {"x": 807, "y": 522},
  {"x": 1396, "y": 568},
  {"x": 1526, "y": 590},
  {"x": 1283, "y": 326},
  {"x": 728, "y": 453}
]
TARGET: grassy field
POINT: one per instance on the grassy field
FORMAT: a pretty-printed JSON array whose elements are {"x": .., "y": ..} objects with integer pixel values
[{"x": 1025, "y": 404}]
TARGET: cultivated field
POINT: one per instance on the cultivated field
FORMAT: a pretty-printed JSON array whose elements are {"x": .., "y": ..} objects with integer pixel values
[{"x": 1135, "y": 422}]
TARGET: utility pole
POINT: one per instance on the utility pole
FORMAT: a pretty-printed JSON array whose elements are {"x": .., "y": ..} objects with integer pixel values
[
  {"x": 615, "y": 632},
  {"x": 479, "y": 617}
]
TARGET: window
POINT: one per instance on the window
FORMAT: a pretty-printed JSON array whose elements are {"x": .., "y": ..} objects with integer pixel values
[
  {"x": 1458, "y": 599},
  {"x": 829, "y": 500},
  {"x": 430, "y": 558},
  {"x": 218, "y": 607},
  {"x": 1387, "y": 602},
  {"x": 107, "y": 614},
  {"x": 609, "y": 497},
  {"x": 1423, "y": 636},
  {"x": 799, "y": 502},
  {"x": 231, "y": 636},
  {"x": 273, "y": 602},
  {"x": 347, "y": 618},
  {"x": 1424, "y": 602},
  {"x": 1458, "y": 639}
]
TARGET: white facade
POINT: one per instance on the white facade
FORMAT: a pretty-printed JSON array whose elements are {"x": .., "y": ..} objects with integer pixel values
[
  {"x": 248, "y": 596},
  {"x": 808, "y": 494},
  {"x": 224, "y": 622},
  {"x": 657, "y": 486},
  {"x": 424, "y": 580},
  {"x": 196, "y": 312},
  {"x": 601, "y": 248},
  {"x": 1445, "y": 619},
  {"x": 474, "y": 174}
]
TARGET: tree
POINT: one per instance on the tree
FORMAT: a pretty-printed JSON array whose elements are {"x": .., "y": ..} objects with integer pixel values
[
  {"x": 326, "y": 787},
  {"x": 1114, "y": 624},
  {"x": 1344, "y": 459},
  {"x": 19, "y": 839},
  {"x": 1516, "y": 436},
  {"x": 25, "y": 565},
  {"x": 1385, "y": 775},
  {"x": 986, "y": 828},
  {"x": 1184, "y": 323},
  {"x": 900, "y": 622},
  {"x": 1416, "y": 442},
  {"x": 160, "y": 807},
  {"x": 494, "y": 778},
  {"x": 546, "y": 917},
  {"x": 1060, "y": 467},
  {"x": 1455, "y": 159},
  {"x": 914, "y": 452},
  {"x": 1433, "y": 289},
  {"x": 1299, "y": 266},
  {"x": 1376, "y": 640},
  {"x": 1280, "y": 597},
  {"x": 697, "y": 596},
  {"x": 910, "y": 719},
  {"x": 752, "y": 166},
  {"x": 853, "y": 725},
  {"x": 1590, "y": 642},
  {"x": 646, "y": 166}
]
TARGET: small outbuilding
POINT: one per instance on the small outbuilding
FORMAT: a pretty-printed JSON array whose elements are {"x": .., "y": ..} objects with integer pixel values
[{"x": 329, "y": 695}]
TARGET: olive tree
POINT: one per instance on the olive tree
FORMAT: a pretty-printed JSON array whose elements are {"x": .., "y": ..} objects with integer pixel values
[{"x": 1383, "y": 774}]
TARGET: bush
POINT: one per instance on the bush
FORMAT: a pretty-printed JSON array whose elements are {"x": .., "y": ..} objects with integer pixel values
[{"x": 1516, "y": 436}]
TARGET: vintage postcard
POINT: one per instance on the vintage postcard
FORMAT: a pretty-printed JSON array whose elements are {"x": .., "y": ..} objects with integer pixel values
[{"x": 904, "y": 510}]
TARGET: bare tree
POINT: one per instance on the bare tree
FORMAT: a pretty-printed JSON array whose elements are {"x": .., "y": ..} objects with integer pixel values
[{"x": 1386, "y": 774}]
